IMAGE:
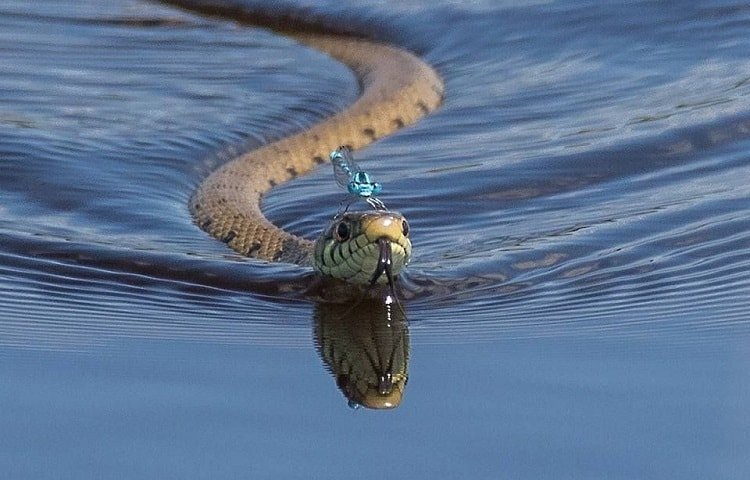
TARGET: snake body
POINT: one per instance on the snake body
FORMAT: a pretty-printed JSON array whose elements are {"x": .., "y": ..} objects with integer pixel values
[{"x": 397, "y": 89}]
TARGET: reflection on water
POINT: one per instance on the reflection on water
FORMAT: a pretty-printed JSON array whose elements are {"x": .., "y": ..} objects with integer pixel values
[{"x": 365, "y": 346}]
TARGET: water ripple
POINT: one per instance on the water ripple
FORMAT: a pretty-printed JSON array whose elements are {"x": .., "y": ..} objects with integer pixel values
[{"x": 582, "y": 180}]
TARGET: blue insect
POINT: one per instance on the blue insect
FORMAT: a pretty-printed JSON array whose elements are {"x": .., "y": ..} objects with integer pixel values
[{"x": 353, "y": 179}]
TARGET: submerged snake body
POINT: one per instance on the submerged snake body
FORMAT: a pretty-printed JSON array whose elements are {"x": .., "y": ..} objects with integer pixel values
[{"x": 397, "y": 90}]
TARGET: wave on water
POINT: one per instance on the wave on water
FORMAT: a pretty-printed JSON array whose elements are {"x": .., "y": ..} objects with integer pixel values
[{"x": 586, "y": 177}]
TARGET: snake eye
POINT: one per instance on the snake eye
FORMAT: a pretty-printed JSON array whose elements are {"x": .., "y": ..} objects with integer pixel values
[
  {"x": 405, "y": 228},
  {"x": 341, "y": 233}
]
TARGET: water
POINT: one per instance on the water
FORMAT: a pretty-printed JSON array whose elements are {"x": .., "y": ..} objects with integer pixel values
[{"x": 578, "y": 297}]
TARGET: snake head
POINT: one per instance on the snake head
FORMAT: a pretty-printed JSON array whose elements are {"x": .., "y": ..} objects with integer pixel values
[{"x": 364, "y": 247}]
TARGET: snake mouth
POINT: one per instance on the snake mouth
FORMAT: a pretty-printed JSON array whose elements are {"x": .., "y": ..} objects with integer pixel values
[{"x": 385, "y": 262}]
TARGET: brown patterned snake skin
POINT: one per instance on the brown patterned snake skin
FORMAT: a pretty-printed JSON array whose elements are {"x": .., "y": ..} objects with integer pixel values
[{"x": 397, "y": 90}]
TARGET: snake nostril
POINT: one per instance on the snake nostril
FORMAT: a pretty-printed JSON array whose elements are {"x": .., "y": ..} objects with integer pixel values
[
  {"x": 341, "y": 233},
  {"x": 405, "y": 228}
]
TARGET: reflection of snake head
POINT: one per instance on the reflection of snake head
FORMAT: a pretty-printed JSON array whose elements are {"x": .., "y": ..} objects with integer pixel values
[
  {"x": 366, "y": 348},
  {"x": 364, "y": 247}
]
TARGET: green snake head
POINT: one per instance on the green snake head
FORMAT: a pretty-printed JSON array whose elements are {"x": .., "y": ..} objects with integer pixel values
[{"x": 364, "y": 247}]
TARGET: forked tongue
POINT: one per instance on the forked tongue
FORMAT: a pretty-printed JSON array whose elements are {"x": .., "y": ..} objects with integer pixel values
[{"x": 384, "y": 262}]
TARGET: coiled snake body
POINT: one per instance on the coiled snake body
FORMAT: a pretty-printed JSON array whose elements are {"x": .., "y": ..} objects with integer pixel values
[{"x": 397, "y": 90}]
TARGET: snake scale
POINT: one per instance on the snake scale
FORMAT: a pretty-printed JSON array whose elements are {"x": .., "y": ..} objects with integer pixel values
[{"x": 397, "y": 89}]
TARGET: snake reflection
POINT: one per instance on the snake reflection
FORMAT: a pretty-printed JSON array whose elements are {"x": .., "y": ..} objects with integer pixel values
[{"x": 365, "y": 346}]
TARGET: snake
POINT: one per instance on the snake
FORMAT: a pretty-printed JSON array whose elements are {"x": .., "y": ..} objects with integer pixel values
[{"x": 397, "y": 88}]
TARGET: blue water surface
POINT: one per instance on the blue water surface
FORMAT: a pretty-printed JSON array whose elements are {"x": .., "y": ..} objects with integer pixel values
[{"x": 578, "y": 301}]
